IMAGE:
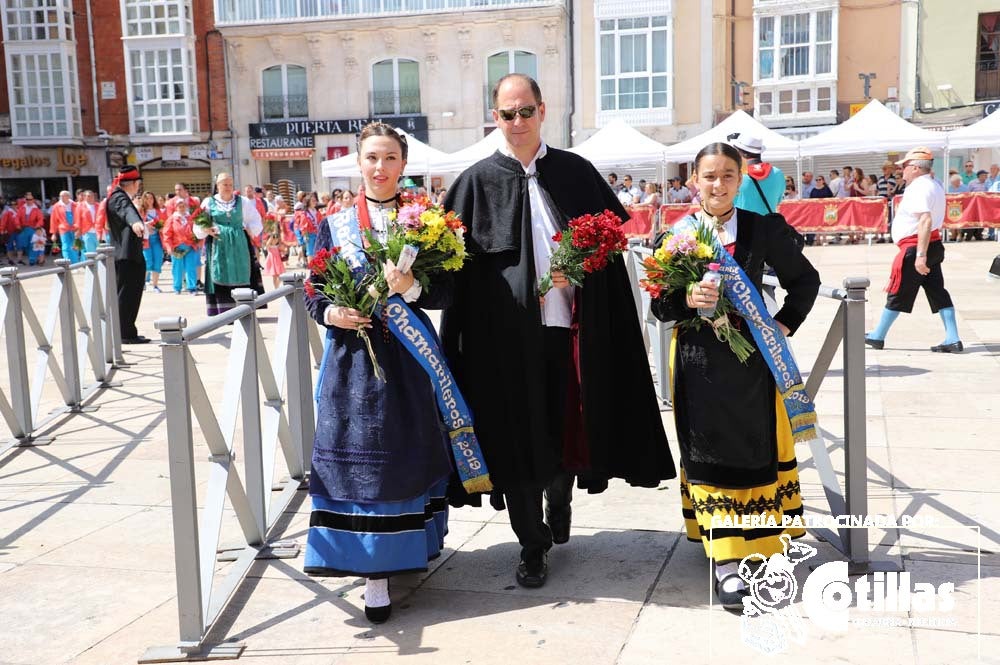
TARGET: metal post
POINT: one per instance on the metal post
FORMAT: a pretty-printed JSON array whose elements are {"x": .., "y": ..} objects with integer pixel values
[
  {"x": 855, "y": 443},
  {"x": 92, "y": 292},
  {"x": 111, "y": 300},
  {"x": 67, "y": 333},
  {"x": 301, "y": 416},
  {"x": 258, "y": 493},
  {"x": 183, "y": 498},
  {"x": 17, "y": 361}
]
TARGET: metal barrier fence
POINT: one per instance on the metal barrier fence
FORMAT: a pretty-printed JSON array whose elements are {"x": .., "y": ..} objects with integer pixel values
[
  {"x": 847, "y": 330},
  {"x": 89, "y": 341},
  {"x": 270, "y": 395}
]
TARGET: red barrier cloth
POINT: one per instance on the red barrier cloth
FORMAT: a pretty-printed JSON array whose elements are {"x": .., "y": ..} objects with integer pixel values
[
  {"x": 640, "y": 222},
  {"x": 672, "y": 213},
  {"x": 970, "y": 210},
  {"x": 850, "y": 215}
]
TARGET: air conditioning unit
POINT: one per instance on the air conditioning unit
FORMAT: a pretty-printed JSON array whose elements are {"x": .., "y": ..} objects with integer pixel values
[{"x": 893, "y": 106}]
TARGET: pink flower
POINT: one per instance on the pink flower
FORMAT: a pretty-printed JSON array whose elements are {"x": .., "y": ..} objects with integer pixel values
[{"x": 409, "y": 216}]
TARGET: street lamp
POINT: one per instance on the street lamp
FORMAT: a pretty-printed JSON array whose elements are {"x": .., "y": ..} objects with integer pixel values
[{"x": 867, "y": 78}]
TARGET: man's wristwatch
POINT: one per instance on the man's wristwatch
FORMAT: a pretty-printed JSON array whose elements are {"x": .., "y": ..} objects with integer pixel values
[{"x": 919, "y": 254}]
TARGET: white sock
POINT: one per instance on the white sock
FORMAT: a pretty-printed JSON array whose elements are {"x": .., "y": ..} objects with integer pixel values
[
  {"x": 377, "y": 593},
  {"x": 730, "y": 570}
]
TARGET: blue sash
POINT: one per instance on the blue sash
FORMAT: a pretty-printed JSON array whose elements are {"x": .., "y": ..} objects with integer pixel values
[
  {"x": 422, "y": 343},
  {"x": 771, "y": 342}
]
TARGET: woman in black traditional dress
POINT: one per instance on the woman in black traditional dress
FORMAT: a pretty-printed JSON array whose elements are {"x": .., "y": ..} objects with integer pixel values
[{"x": 737, "y": 448}]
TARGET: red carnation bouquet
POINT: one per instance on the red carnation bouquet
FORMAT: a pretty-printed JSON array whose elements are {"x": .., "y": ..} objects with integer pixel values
[
  {"x": 331, "y": 277},
  {"x": 587, "y": 246}
]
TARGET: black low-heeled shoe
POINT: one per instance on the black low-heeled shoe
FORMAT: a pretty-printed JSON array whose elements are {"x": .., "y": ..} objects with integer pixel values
[
  {"x": 877, "y": 344},
  {"x": 730, "y": 600},
  {"x": 378, "y": 614},
  {"x": 533, "y": 573},
  {"x": 954, "y": 347}
]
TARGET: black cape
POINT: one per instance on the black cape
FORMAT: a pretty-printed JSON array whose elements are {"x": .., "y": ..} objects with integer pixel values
[{"x": 493, "y": 335}]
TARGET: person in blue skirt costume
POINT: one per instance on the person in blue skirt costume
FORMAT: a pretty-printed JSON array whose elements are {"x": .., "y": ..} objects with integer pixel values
[{"x": 381, "y": 459}]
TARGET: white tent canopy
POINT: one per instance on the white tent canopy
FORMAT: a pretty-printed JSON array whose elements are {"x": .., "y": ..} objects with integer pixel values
[
  {"x": 872, "y": 129},
  {"x": 983, "y": 134},
  {"x": 776, "y": 146},
  {"x": 420, "y": 161},
  {"x": 457, "y": 162},
  {"x": 618, "y": 144}
]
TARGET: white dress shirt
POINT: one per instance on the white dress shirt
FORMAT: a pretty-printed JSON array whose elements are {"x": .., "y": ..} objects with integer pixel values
[
  {"x": 557, "y": 311},
  {"x": 251, "y": 218}
]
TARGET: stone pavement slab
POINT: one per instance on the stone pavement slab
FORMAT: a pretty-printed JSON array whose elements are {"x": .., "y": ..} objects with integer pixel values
[{"x": 86, "y": 561}]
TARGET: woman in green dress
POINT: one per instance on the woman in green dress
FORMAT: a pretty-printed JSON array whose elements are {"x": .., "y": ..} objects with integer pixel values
[{"x": 228, "y": 254}]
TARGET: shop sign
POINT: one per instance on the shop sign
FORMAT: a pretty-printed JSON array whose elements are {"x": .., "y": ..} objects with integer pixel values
[
  {"x": 143, "y": 153},
  {"x": 278, "y": 155},
  {"x": 170, "y": 153},
  {"x": 197, "y": 152},
  {"x": 70, "y": 161},
  {"x": 336, "y": 151},
  {"x": 990, "y": 107},
  {"x": 21, "y": 163},
  {"x": 281, "y": 143},
  {"x": 301, "y": 128},
  {"x": 109, "y": 90}
]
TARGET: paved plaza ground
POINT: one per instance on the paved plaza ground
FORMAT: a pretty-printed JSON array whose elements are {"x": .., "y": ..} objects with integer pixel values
[{"x": 87, "y": 569}]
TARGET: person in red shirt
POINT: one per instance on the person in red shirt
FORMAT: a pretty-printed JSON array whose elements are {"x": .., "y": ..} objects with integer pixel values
[
  {"x": 184, "y": 249},
  {"x": 64, "y": 225},
  {"x": 181, "y": 192},
  {"x": 29, "y": 218},
  {"x": 8, "y": 229},
  {"x": 87, "y": 226},
  {"x": 307, "y": 223}
]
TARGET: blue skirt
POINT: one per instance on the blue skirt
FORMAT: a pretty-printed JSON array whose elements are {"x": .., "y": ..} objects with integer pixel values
[{"x": 376, "y": 540}]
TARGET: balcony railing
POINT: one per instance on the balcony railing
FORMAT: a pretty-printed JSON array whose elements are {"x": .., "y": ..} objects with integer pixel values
[
  {"x": 283, "y": 107},
  {"x": 987, "y": 80},
  {"x": 240, "y": 12},
  {"x": 394, "y": 102}
]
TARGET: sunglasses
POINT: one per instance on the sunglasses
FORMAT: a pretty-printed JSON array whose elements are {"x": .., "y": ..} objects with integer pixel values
[{"x": 525, "y": 112}]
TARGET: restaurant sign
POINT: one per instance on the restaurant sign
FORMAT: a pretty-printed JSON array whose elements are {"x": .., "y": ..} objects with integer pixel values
[{"x": 280, "y": 154}]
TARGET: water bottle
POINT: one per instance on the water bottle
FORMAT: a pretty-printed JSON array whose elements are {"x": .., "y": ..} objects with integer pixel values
[{"x": 715, "y": 278}]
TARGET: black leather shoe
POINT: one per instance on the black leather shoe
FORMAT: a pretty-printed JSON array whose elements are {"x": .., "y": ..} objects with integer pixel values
[
  {"x": 878, "y": 344},
  {"x": 378, "y": 614},
  {"x": 136, "y": 340},
  {"x": 559, "y": 522},
  {"x": 954, "y": 347},
  {"x": 533, "y": 574},
  {"x": 730, "y": 600}
]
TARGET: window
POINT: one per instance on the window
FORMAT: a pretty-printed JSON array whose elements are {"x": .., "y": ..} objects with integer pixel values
[
  {"x": 988, "y": 60},
  {"x": 395, "y": 87},
  {"x": 41, "y": 70},
  {"x": 795, "y": 66},
  {"x": 795, "y": 45},
  {"x": 147, "y": 18},
  {"x": 38, "y": 20},
  {"x": 499, "y": 65},
  {"x": 285, "y": 94},
  {"x": 635, "y": 63},
  {"x": 162, "y": 97},
  {"x": 44, "y": 95}
]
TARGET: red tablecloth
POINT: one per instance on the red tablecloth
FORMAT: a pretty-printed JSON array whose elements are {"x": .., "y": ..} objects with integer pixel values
[
  {"x": 970, "y": 210},
  {"x": 640, "y": 222},
  {"x": 851, "y": 215}
]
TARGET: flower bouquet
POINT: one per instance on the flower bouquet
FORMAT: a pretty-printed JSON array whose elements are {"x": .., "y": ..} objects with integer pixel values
[
  {"x": 424, "y": 240},
  {"x": 157, "y": 224},
  {"x": 77, "y": 244},
  {"x": 272, "y": 227},
  {"x": 203, "y": 219},
  {"x": 588, "y": 245},
  {"x": 677, "y": 265},
  {"x": 332, "y": 278}
]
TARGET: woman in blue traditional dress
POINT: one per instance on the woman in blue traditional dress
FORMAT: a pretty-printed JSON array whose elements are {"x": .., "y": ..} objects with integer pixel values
[
  {"x": 229, "y": 255},
  {"x": 736, "y": 441},
  {"x": 381, "y": 458}
]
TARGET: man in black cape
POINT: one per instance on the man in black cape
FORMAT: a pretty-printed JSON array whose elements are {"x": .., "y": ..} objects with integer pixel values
[
  {"x": 559, "y": 388},
  {"x": 125, "y": 231}
]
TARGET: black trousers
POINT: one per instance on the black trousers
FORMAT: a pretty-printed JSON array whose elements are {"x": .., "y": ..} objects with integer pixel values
[
  {"x": 131, "y": 279},
  {"x": 524, "y": 504},
  {"x": 911, "y": 281}
]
